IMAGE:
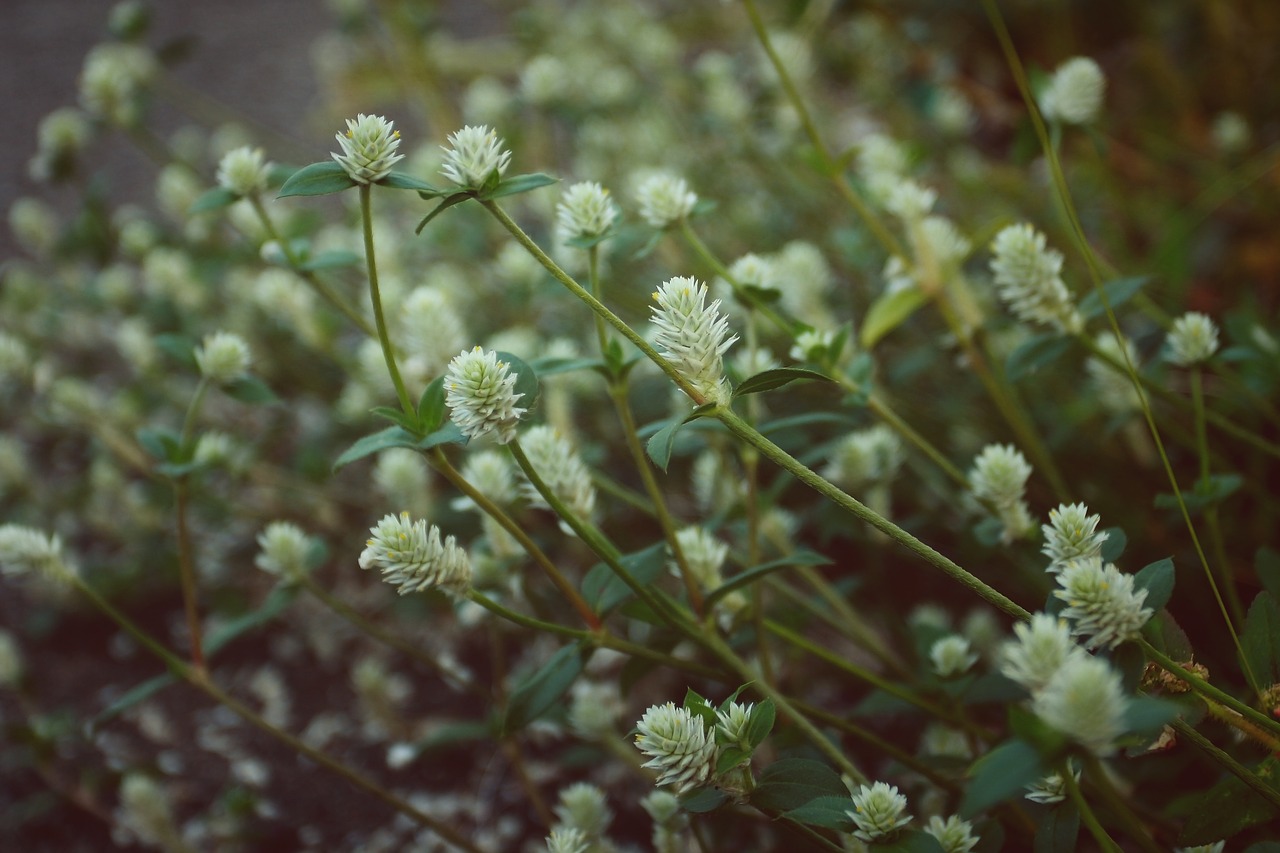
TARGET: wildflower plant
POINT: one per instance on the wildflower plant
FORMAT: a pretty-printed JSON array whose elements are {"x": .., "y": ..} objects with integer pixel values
[{"x": 919, "y": 503}]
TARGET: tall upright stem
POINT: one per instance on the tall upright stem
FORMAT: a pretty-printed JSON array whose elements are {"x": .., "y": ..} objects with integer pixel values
[{"x": 375, "y": 295}]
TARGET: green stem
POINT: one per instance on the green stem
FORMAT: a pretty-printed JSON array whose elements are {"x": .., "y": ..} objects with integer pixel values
[
  {"x": 1086, "y": 813},
  {"x": 1211, "y": 512},
  {"x": 1224, "y": 759},
  {"x": 851, "y": 505},
  {"x": 186, "y": 441},
  {"x": 1206, "y": 689},
  {"x": 1097, "y": 774},
  {"x": 198, "y": 678},
  {"x": 375, "y": 296},
  {"x": 843, "y": 619},
  {"x": 187, "y": 576}
]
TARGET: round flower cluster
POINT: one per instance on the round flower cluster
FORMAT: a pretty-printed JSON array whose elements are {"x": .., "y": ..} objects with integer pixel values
[
  {"x": 410, "y": 555},
  {"x": 693, "y": 334},
  {"x": 223, "y": 357},
  {"x": 368, "y": 148},
  {"x": 879, "y": 811},
  {"x": 1028, "y": 277},
  {"x": 476, "y": 154},
  {"x": 243, "y": 171},
  {"x": 679, "y": 745},
  {"x": 480, "y": 393}
]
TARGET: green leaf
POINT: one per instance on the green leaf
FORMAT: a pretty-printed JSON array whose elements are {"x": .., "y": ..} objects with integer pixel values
[
  {"x": 541, "y": 690},
  {"x": 402, "y": 181},
  {"x": 335, "y": 259},
  {"x": 801, "y": 557},
  {"x": 827, "y": 812},
  {"x": 793, "y": 782},
  {"x": 447, "y": 434},
  {"x": 1118, "y": 291},
  {"x": 888, "y": 312},
  {"x": 180, "y": 348},
  {"x": 250, "y": 389},
  {"x": 706, "y": 800},
  {"x": 517, "y": 184},
  {"x": 1206, "y": 493},
  {"x": 1147, "y": 715},
  {"x": 776, "y": 378},
  {"x": 761, "y": 723},
  {"x": 445, "y": 203},
  {"x": 1113, "y": 545},
  {"x": 1058, "y": 830},
  {"x": 593, "y": 240},
  {"x": 390, "y": 437},
  {"x": 271, "y": 607},
  {"x": 604, "y": 590},
  {"x": 729, "y": 758},
  {"x": 1227, "y": 809},
  {"x": 1261, "y": 639},
  {"x": 131, "y": 697},
  {"x": 661, "y": 443},
  {"x": 214, "y": 199},
  {"x": 1000, "y": 775},
  {"x": 1035, "y": 353},
  {"x": 399, "y": 417},
  {"x": 550, "y": 366},
  {"x": 1157, "y": 580},
  {"x": 161, "y": 443},
  {"x": 431, "y": 406},
  {"x": 1167, "y": 636},
  {"x": 526, "y": 380},
  {"x": 1267, "y": 564},
  {"x": 317, "y": 179}
]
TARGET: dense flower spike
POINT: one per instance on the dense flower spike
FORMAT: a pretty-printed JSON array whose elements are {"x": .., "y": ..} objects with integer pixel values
[
  {"x": 1103, "y": 605},
  {"x": 1192, "y": 340},
  {"x": 223, "y": 357},
  {"x": 25, "y": 549},
  {"x": 583, "y": 807},
  {"x": 567, "y": 839},
  {"x": 1085, "y": 701},
  {"x": 731, "y": 724},
  {"x": 474, "y": 155},
  {"x": 879, "y": 811},
  {"x": 558, "y": 464},
  {"x": 999, "y": 476},
  {"x": 480, "y": 393},
  {"x": 704, "y": 554},
  {"x": 1050, "y": 789},
  {"x": 693, "y": 335},
  {"x": 680, "y": 747},
  {"x": 865, "y": 456},
  {"x": 1042, "y": 646},
  {"x": 284, "y": 549},
  {"x": 953, "y": 835},
  {"x": 1028, "y": 277},
  {"x": 585, "y": 211},
  {"x": 951, "y": 656},
  {"x": 368, "y": 148},
  {"x": 1075, "y": 93},
  {"x": 243, "y": 171},
  {"x": 1071, "y": 534},
  {"x": 411, "y": 556},
  {"x": 664, "y": 199}
]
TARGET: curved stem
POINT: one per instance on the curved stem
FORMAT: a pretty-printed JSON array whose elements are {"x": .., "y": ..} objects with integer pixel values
[
  {"x": 375, "y": 296},
  {"x": 1086, "y": 813},
  {"x": 1097, "y": 775},
  {"x": 1206, "y": 689}
]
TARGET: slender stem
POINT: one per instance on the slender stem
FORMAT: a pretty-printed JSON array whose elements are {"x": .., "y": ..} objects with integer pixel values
[
  {"x": 193, "y": 413},
  {"x": 1206, "y": 689},
  {"x": 853, "y": 506},
  {"x": 750, "y": 300},
  {"x": 375, "y": 295},
  {"x": 1086, "y": 813},
  {"x": 593, "y": 276},
  {"x": 187, "y": 576},
  {"x": 1224, "y": 759},
  {"x": 199, "y": 679},
  {"x": 441, "y": 463},
  {"x": 845, "y": 620},
  {"x": 1096, "y": 773},
  {"x": 317, "y": 284},
  {"x": 1211, "y": 512}
]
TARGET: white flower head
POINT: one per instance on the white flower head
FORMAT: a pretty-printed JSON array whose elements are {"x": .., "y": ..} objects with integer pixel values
[
  {"x": 704, "y": 554},
  {"x": 1071, "y": 534},
  {"x": 1075, "y": 93},
  {"x": 1051, "y": 789},
  {"x": 1192, "y": 340},
  {"x": 1085, "y": 701},
  {"x": 1042, "y": 646},
  {"x": 223, "y": 357},
  {"x": 1028, "y": 277},
  {"x": 567, "y": 839},
  {"x": 474, "y": 155},
  {"x": 879, "y": 811},
  {"x": 368, "y": 148},
  {"x": 480, "y": 393},
  {"x": 693, "y": 335},
  {"x": 243, "y": 171},
  {"x": 910, "y": 201},
  {"x": 583, "y": 806},
  {"x": 679, "y": 746},
  {"x": 561, "y": 468},
  {"x": 954, "y": 835},
  {"x": 585, "y": 211},
  {"x": 26, "y": 550},
  {"x": 871, "y": 455},
  {"x": 952, "y": 656},
  {"x": 1000, "y": 474},
  {"x": 411, "y": 555},
  {"x": 284, "y": 548},
  {"x": 1103, "y": 604},
  {"x": 664, "y": 199},
  {"x": 492, "y": 474}
]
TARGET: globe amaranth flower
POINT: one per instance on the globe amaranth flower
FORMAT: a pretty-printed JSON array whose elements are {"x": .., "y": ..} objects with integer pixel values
[
  {"x": 410, "y": 555},
  {"x": 664, "y": 199},
  {"x": 693, "y": 335},
  {"x": 879, "y": 811},
  {"x": 999, "y": 477},
  {"x": 1028, "y": 277},
  {"x": 1071, "y": 534},
  {"x": 1192, "y": 340},
  {"x": 583, "y": 807},
  {"x": 871, "y": 455},
  {"x": 679, "y": 745},
  {"x": 1075, "y": 93},
  {"x": 1042, "y": 646},
  {"x": 1102, "y": 603},
  {"x": 567, "y": 839},
  {"x": 954, "y": 835},
  {"x": 243, "y": 171},
  {"x": 585, "y": 211},
  {"x": 560, "y": 467},
  {"x": 26, "y": 550},
  {"x": 1085, "y": 701},
  {"x": 951, "y": 656},
  {"x": 284, "y": 549},
  {"x": 223, "y": 357},
  {"x": 481, "y": 396},
  {"x": 476, "y": 154},
  {"x": 732, "y": 722},
  {"x": 368, "y": 148},
  {"x": 1052, "y": 788},
  {"x": 704, "y": 555}
]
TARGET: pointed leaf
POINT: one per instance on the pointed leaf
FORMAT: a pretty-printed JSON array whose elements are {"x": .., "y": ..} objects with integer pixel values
[
  {"x": 1000, "y": 775},
  {"x": 317, "y": 179},
  {"x": 431, "y": 406},
  {"x": 801, "y": 557},
  {"x": 1267, "y": 564},
  {"x": 1147, "y": 715},
  {"x": 1058, "y": 829},
  {"x": 447, "y": 434},
  {"x": 214, "y": 199},
  {"x": 132, "y": 696},
  {"x": 1118, "y": 291},
  {"x": 445, "y": 203},
  {"x": 392, "y": 436},
  {"x": 399, "y": 417},
  {"x": 1157, "y": 580},
  {"x": 910, "y": 841},
  {"x": 888, "y": 312},
  {"x": 1113, "y": 546},
  {"x": 1261, "y": 639},
  {"x": 706, "y": 800},
  {"x": 517, "y": 184},
  {"x": 1035, "y": 353},
  {"x": 552, "y": 366},
  {"x": 271, "y": 607},
  {"x": 527, "y": 383},
  {"x": 793, "y": 782},
  {"x": 541, "y": 690},
  {"x": 729, "y": 758},
  {"x": 1227, "y": 809},
  {"x": 761, "y": 723},
  {"x": 827, "y": 812},
  {"x": 159, "y": 442},
  {"x": 250, "y": 389},
  {"x": 771, "y": 379},
  {"x": 402, "y": 181},
  {"x": 604, "y": 590},
  {"x": 660, "y": 445},
  {"x": 180, "y": 348}
]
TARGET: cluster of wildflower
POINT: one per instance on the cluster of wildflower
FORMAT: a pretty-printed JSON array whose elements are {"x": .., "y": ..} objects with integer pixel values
[
  {"x": 953, "y": 834},
  {"x": 664, "y": 199},
  {"x": 693, "y": 335},
  {"x": 585, "y": 211},
  {"x": 999, "y": 477},
  {"x": 412, "y": 556},
  {"x": 25, "y": 550},
  {"x": 1071, "y": 534},
  {"x": 952, "y": 656},
  {"x": 474, "y": 157},
  {"x": 1112, "y": 385},
  {"x": 560, "y": 467},
  {"x": 1102, "y": 603},
  {"x": 879, "y": 811},
  {"x": 243, "y": 171},
  {"x": 368, "y": 148},
  {"x": 113, "y": 80},
  {"x": 680, "y": 747},
  {"x": 284, "y": 550},
  {"x": 1074, "y": 94},
  {"x": 865, "y": 456},
  {"x": 223, "y": 357},
  {"x": 582, "y": 820},
  {"x": 481, "y": 396},
  {"x": 1192, "y": 340},
  {"x": 1028, "y": 277}
]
